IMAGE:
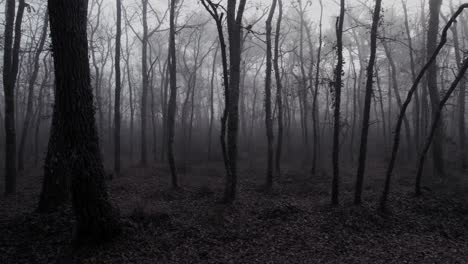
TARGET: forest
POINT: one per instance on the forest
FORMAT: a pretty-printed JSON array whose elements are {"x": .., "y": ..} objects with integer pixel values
[{"x": 233, "y": 131}]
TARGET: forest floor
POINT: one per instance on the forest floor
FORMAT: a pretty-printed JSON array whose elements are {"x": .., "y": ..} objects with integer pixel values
[{"x": 292, "y": 224}]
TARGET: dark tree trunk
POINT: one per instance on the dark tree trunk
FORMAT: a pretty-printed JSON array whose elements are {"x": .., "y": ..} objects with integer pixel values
[
  {"x": 10, "y": 72},
  {"x": 436, "y": 123},
  {"x": 367, "y": 104},
  {"x": 213, "y": 11},
  {"x": 268, "y": 114},
  {"x": 279, "y": 90},
  {"x": 461, "y": 100},
  {"x": 234, "y": 23},
  {"x": 396, "y": 140},
  {"x": 118, "y": 87},
  {"x": 338, "y": 83},
  {"x": 172, "y": 106},
  {"x": 432, "y": 34},
  {"x": 145, "y": 84},
  {"x": 74, "y": 144}
]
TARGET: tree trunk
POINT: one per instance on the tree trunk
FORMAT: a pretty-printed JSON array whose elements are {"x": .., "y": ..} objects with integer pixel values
[
  {"x": 337, "y": 91},
  {"x": 397, "y": 95},
  {"x": 118, "y": 87},
  {"x": 417, "y": 107},
  {"x": 279, "y": 90},
  {"x": 234, "y": 23},
  {"x": 396, "y": 140},
  {"x": 10, "y": 73},
  {"x": 172, "y": 107},
  {"x": 144, "y": 86},
  {"x": 315, "y": 107},
  {"x": 432, "y": 34},
  {"x": 367, "y": 104},
  {"x": 74, "y": 143},
  {"x": 436, "y": 123},
  {"x": 268, "y": 114}
]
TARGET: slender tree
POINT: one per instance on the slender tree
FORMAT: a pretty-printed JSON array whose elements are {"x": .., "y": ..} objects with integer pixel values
[
  {"x": 12, "y": 41},
  {"x": 279, "y": 89},
  {"x": 338, "y": 83},
  {"x": 436, "y": 122},
  {"x": 268, "y": 114},
  {"x": 234, "y": 17},
  {"x": 367, "y": 103},
  {"x": 118, "y": 87},
  {"x": 432, "y": 35},
  {"x": 412, "y": 90},
  {"x": 172, "y": 106}
]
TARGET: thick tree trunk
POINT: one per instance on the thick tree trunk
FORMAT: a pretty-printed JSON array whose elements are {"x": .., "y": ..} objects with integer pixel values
[{"x": 74, "y": 143}]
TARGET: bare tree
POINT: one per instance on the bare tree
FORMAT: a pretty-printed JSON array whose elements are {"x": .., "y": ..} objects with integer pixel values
[
  {"x": 234, "y": 24},
  {"x": 432, "y": 35},
  {"x": 412, "y": 90},
  {"x": 172, "y": 106},
  {"x": 10, "y": 72},
  {"x": 268, "y": 114},
  {"x": 118, "y": 87},
  {"x": 367, "y": 104},
  {"x": 279, "y": 89}
]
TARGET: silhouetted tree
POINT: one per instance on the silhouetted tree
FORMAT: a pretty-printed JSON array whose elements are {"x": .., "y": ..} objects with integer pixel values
[
  {"x": 367, "y": 104},
  {"x": 74, "y": 145}
]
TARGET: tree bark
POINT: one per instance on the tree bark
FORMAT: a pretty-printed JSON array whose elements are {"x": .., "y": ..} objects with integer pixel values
[{"x": 74, "y": 143}]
